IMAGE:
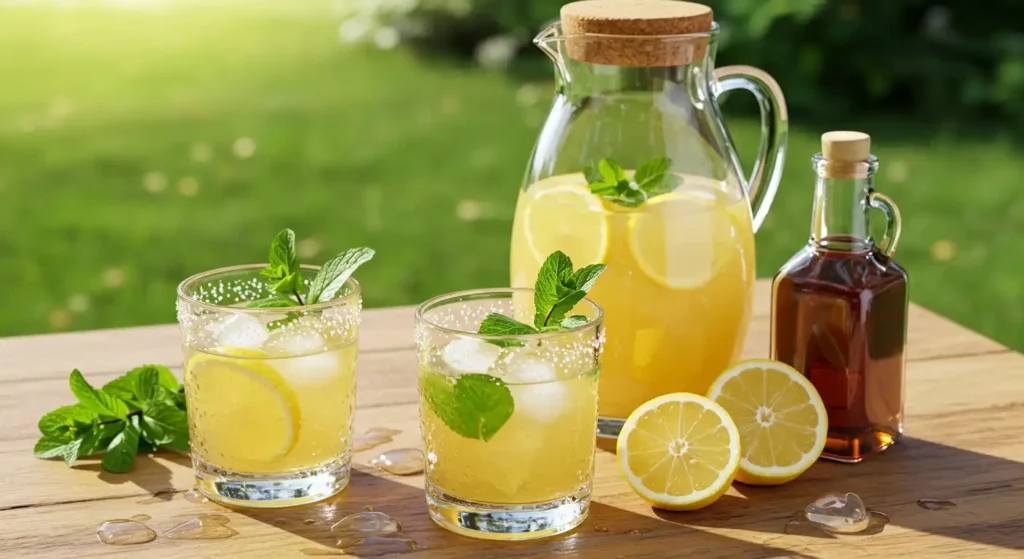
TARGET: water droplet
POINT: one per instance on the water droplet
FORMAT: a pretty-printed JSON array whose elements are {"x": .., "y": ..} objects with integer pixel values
[
  {"x": 935, "y": 504},
  {"x": 836, "y": 512},
  {"x": 194, "y": 496},
  {"x": 639, "y": 531},
  {"x": 161, "y": 496},
  {"x": 601, "y": 529},
  {"x": 202, "y": 527},
  {"x": 124, "y": 532},
  {"x": 375, "y": 436},
  {"x": 140, "y": 517},
  {"x": 799, "y": 525},
  {"x": 368, "y": 508},
  {"x": 371, "y": 533},
  {"x": 401, "y": 461},
  {"x": 309, "y": 521}
]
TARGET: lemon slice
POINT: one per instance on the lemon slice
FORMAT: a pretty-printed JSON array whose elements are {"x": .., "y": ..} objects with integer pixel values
[
  {"x": 679, "y": 451},
  {"x": 569, "y": 218},
  {"x": 243, "y": 410},
  {"x": 781, "y": 419},
  {"x": 680, "y": 240}
]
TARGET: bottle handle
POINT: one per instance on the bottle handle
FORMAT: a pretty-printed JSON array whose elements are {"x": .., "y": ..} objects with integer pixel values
[
  {"x": 771, "y": 152},
  {"x": 893, "y": 224}
]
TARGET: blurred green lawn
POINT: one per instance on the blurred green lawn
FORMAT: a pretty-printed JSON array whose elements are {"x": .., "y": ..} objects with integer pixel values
[{"x": 140, "y": 146}]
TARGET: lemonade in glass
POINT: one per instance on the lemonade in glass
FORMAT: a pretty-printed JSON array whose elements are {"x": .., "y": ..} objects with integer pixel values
[
  {"x": 508, "y": 421},
  {"x": 270, "y": 391},
  {"x": 678, "y": 291}
]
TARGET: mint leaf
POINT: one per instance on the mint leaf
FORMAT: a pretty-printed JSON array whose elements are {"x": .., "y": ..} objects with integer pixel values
[
  {"x": 550, "y": 287},
  {"x": 273, "y": 303},
  {"x": 284, "y": 270},
  {"x": 662, "y": 185},
  {"x": 98, "y": 401},
  {"x": 66, "y": 420},
  {"x": 126, "y": 386},
  {"x": 496, "y": 324},
  {"x": 333, "y": 275},
  {"x": 121, "y": 451},
  {"x": 651, "y": 170},
  {"x": 49, "y": 446},
  {"x": 612, "y": 172},
  {"x": 574, "y": 321},
  {"x": 147, "y": 384},
  {"x": 585, "y": 277},
  {"x": 163, "y": 424},
  {"x": 475, "y": 406},
  {"x": 594, "y": 177},
  {"x": 99, "y": 438}
]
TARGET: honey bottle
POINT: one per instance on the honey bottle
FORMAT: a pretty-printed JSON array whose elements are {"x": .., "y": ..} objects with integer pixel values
[{"x": 839, "y": 306}]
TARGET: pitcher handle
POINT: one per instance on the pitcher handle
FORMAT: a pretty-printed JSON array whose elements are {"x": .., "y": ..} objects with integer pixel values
[
  {"x": 893, "y": 223},
  {"x": 771, "y": 152}
]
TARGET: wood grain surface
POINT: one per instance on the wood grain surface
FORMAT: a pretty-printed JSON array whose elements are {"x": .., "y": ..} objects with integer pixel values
[{"x": 964, "y": 442}]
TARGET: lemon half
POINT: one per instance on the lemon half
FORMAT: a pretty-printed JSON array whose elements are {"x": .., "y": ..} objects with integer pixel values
[
  {"x": 781, "y": 419},
  {"x": 244, "y": 410},
  {"x": 679, "y": 451}
]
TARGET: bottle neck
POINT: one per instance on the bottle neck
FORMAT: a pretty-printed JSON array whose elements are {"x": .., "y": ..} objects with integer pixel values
[{"x": 840, "y": 220}]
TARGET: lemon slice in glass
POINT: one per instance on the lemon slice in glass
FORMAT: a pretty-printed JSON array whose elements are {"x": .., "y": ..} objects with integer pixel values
[
  {"x": 569, "y": 218},
  {"x": 680, "y": 240},
  {"x": 242, "y": 410},
  {"x": 781, "y": 419},
  {"x": 679, "y": 451}
]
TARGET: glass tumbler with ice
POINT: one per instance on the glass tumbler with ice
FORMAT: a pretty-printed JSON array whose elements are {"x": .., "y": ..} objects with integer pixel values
[
  {"x": 509, "y": 421},
  {"x": 270, "y": 392}
]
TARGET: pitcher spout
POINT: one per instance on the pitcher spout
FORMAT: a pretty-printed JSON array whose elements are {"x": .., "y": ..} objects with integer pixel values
[{"x": 549, "y": 41}]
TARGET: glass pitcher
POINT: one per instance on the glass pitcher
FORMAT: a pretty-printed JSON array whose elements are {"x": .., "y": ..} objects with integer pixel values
[{"x": 635, "y": 168}]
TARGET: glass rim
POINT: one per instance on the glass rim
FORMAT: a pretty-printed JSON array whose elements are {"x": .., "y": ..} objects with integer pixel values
[
  {"x": 194, "y": 278},
  {"x": 435, "y": 301},
  {"x": 553, "y": 34}
]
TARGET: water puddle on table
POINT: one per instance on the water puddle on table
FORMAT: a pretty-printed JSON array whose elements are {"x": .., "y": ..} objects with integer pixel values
[
  {"x": 374, "y": 436},
  {"x": 400, "y": 461},
  {"x": 935, "y": 504},
  {"x": 124, "y": 532},
  {"x": 202, "y": 527}
]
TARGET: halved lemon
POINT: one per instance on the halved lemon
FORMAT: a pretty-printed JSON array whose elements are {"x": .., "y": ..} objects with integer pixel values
[
  {"x": 781, "y": 419},
  {"x": 569, "y": 218},
  {"x": 679, "y": 451},
  {"x": 242, "y": 409},
  {"x": 680, "y": 240}
]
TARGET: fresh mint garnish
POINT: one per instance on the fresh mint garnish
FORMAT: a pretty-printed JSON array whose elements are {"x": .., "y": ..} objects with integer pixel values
[
  {"x": 473, "y": 405},
  {"x": 141, "y": 410},
  {"x": 652, "y": 178},
  {"x": 284, "y": 275}
]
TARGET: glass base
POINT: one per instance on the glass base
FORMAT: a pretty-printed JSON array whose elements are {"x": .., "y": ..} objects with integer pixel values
[
  {"x": 609, "y": 427},
  {"x": 271, "y": 490},
  {"x": 507, "y": 522}
]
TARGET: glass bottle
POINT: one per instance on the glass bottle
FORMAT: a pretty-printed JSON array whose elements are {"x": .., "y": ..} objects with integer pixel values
[{"x": 839, "y": 306}]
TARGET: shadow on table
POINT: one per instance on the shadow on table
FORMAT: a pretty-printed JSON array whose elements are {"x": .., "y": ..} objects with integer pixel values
[
  {"x": 608, "y": 532},
  {"x": 147, "y": 473},
  {"x": 988, "y": 492}
]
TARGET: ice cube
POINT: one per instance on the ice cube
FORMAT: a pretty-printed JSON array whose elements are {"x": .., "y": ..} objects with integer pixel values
[
  {"x": 469, "y": 355},
  {"x": 533, "y": 381},
  {"x": 238, "y": 330},
  {"x": 303, "y": 353},
  {"x": 838, "y": 512}
]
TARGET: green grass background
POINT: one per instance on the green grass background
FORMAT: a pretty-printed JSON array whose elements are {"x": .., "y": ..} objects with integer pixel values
[{"x": 419, "y": 158}]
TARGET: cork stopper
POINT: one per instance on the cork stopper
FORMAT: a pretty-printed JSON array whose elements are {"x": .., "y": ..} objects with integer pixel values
[
  {"x": 846, "y": 154},
  {"x": 636, "y": 32}
]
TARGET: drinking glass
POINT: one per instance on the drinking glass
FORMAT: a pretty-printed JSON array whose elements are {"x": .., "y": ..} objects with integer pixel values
[
  {"x": 270, "y": 392},
  {"x": 509, "y": 422}
]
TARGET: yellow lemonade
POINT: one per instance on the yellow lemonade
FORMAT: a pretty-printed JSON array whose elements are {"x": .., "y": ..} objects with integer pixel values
[
  {"x": 252, "y": 412},
  {"x": 678, "y": 289},
  {"x": 544, "y": 452}
]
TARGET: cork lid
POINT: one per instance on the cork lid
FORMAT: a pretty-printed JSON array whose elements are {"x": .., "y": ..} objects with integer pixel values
[
  {"x": 846, "y": 154},
  {"x": 636, "y": 32}
]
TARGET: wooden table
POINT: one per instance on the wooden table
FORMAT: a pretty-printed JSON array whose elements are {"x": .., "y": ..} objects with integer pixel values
[{"x": 964, "y": 442}]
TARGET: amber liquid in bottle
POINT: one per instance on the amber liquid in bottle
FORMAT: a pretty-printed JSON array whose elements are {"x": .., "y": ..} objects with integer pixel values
[{"x": 839, "y": 312}]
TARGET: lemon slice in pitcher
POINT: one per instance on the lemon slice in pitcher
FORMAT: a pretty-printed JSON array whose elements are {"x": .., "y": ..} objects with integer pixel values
[
  {"x": 680, "y": 240},
  {"x": 679, "y": 451},
  {"x": 781, "y": 419},
  {"x": 569, "y": 218},
  {"x": 244, "y": 410}
]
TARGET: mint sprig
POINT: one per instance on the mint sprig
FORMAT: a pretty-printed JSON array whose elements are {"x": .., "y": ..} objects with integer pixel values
[
  {"x": 652, "y": 178},
  {"x": 558, "y": 289},
  {"x": 284, "y": 275},
  {"x": 144, "y": 409}
]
